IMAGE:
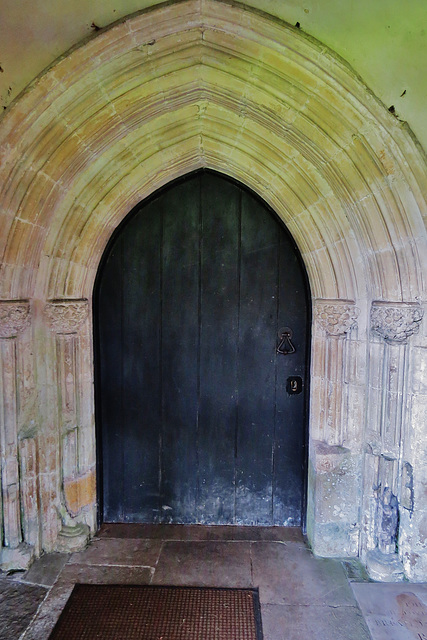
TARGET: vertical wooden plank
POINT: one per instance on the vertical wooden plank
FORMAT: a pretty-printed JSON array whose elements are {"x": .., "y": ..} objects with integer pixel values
[
  {"x": 289, "y": 428},
  {"x": 110, "y": 388},
  {"x": 180, "y": 350},
  {"x": 141, "y": 362},
  {"x": 257, "y": 343},
  {"x": 218, "y": 349}
]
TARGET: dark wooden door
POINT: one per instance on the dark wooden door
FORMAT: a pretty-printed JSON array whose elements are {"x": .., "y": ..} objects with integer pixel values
[{"x": 197, "y": 419}]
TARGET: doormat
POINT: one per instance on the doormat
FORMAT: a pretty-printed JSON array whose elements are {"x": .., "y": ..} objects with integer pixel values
[{"x": 133, "y": 612}]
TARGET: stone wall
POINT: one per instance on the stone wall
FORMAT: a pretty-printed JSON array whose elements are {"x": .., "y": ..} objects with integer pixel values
[{"x": 163, "y": 93}]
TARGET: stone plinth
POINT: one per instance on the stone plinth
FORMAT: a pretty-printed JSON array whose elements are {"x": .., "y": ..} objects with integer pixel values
[
  {"x": 384, "y": 567},
  {"x": 72, "y": 538},
  {"x": 18, "y": 559},
  {"x": 333, "y": 500}
]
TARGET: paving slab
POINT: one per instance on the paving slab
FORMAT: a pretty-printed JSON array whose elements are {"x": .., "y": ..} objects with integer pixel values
[
  {"x": 394, "y": 611},
  {"x": 46, "y": 569},
  {"x": 18, "y": 604},
  {"x": 199, "y": 532},
  {"x": 294, "y": 622},
  {"x": 128, "y": 552},
  {"x": 302, "y": 596},
  {"x": 217, "y": 564},
  {"x": 105, "y": 574},
  {"x": 49, "y": 612},
  {"x": 291, "y": 574}
]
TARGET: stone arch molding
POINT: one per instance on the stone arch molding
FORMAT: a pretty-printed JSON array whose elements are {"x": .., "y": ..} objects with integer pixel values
[{"x": 206, "y": 84}]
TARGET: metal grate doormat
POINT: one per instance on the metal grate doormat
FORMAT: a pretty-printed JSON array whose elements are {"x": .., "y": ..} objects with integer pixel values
[{"x": 133, "y": 612}]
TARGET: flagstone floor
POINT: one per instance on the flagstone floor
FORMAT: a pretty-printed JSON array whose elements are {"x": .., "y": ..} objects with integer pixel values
[{"x": 301, "y": 596}]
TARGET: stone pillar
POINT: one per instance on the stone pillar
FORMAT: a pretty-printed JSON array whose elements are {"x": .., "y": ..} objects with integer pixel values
[
  {"x": 386, "y": 473},
  {"x": 30, "y": 503},
  {"x": 334, "y": 469},
  {"x": 65, "y": 318},
  {"x": 413, "y": 512},
  {"x": 15, "y": 317},
  {"x": 335, "y": 319}
]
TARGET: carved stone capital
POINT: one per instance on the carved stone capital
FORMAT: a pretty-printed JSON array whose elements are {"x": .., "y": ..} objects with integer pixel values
[
  {"x": 66, "y": 316},
  {"x": 336, "y": 317},
  {"x": 395, "y": 322},
  {"x": 15, "y": 316}
]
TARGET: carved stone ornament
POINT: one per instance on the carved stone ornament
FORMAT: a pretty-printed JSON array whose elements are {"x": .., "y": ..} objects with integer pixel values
[
  {"x": 15, "y": 316},
  {"x": 396, "y": 322},
  {"x": 66, "y": 316},
  {"x": 336, "y": 317}
]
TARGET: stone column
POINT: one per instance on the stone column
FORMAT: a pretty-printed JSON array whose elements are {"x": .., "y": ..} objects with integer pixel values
[
  {"x": 394, "y": 323},
  {"x": 65, "y": 318},
  {"x": 336, "y": 318},
  {"x": 334, "y": 469},
  {"x": 15, "y": 317}
]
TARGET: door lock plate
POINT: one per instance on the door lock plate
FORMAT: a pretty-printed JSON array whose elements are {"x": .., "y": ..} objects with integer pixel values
[{"x": 294, "y": 385}]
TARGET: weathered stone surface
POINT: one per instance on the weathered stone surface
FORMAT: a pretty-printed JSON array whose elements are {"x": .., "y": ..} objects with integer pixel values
[
  {"x": 345, "y": 177},
  {"x": 390, "y": 468},
  {"x": 119, "y": 552},
  {"x": 80, "y": 491},
  {"x": 332, "y": 362},
  {"x": 18, "y": 558},
  {"x": 18, "y": 604},
  {"x": 355, "y": 570},
  {"x": 333, "y": 508},
  {"x": 200, "y": 532},
  {"x": 294, "y": 622},
  {"x": 310, "y": 585},
  {"x": 301, "y": 595},
  {"x": 290, "y": 574},
  {"x": 396, "y": 322},
  {"x": 336, "y": 317},
  {"x": 15, "y": 317},
  {"x": 30, "y": 507},
  {"x": 224, "y": 564},
  {"x": 394, "y": 611},
  {"x": 66, "y": 316},
  {"x": 72, "y": 538},
  {"x": 104, "y": 574},
  {"x": 46, "y": 569},
  {"x": 48, "y": 614},
  {"x": 384, "y": 567}
]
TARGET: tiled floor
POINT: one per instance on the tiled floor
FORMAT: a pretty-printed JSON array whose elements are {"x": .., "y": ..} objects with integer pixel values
[{"x": 301, "y": 596}]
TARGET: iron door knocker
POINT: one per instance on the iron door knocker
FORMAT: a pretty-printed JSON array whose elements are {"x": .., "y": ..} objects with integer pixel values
[{"x": 285, "y": 346}]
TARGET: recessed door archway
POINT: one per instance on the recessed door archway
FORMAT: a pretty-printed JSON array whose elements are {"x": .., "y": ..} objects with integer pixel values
[
  {"x": 202, "y": 84},
  {"x": 201, "y": 391}
]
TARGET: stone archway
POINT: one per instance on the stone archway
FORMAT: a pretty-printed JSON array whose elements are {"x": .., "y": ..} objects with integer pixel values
[{"x": 158, "y": 95}]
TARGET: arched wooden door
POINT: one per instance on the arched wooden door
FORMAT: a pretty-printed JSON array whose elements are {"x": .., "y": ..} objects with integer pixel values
[{"x": 200, "y": 420}]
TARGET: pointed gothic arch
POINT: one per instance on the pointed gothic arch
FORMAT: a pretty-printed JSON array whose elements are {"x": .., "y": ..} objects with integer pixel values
[{"x": 163, "y": 93}]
